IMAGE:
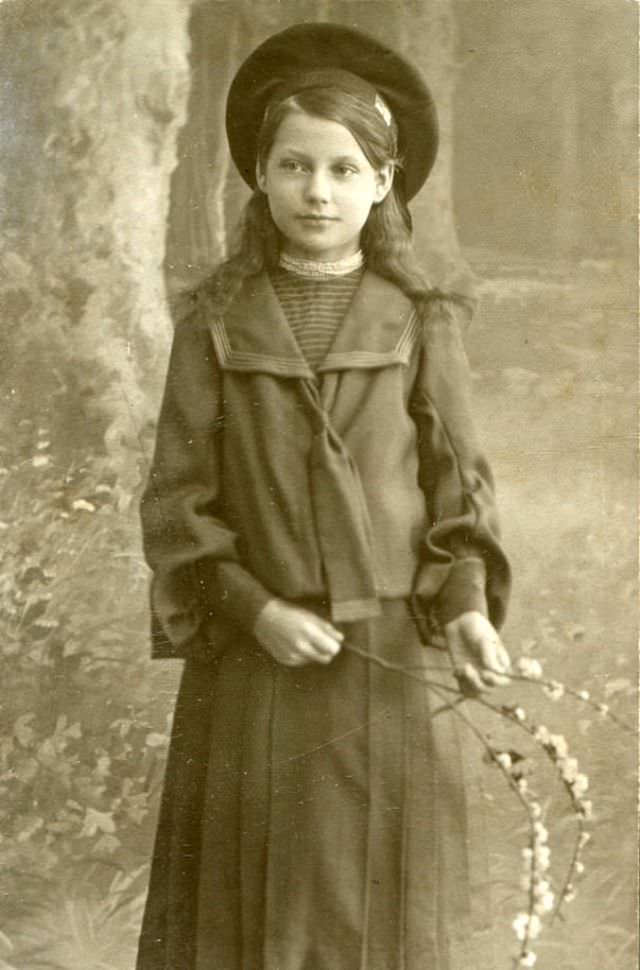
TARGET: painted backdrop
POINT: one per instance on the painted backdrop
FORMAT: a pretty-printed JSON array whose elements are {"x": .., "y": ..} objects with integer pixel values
[{"x": 115, "y": 188}]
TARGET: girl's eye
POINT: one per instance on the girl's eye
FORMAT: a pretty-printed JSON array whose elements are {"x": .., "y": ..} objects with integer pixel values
[
  {"x": 291, "y": 165},
  {"x": 346, "y": 171}
]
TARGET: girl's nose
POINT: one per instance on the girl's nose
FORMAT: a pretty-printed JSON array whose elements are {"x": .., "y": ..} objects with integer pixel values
[{"x": 317, "y": 187}]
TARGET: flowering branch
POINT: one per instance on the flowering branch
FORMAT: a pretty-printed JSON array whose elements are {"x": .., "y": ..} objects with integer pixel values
[
  {"x": 537, "y": 854},
  {"x": 530, "y": 671}
]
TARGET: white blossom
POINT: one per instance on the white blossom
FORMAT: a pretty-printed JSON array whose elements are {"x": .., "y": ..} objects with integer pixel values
[
  {"x": 559, "y": 744},
  {"x": 542, "y": 734},
  {"x": 580, "y": 785},
  {"x": 542, "y": 856},
  {"x": 520, "y": 924},
  {"x": 529, "y": 668},
  {"x": 544, "y": 903},
  {"x": 554, "y": 689},
  {"x": 542, "y": 834},
  {"x": 541, "y": 887},
  {"x": 569, "y": 768},
  {"x": 527, "y": 926}
]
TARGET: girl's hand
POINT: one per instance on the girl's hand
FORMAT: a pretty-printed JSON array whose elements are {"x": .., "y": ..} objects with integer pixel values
[
  {"x": 478, "y": 655},
  {"x": 294, "y": 636}
]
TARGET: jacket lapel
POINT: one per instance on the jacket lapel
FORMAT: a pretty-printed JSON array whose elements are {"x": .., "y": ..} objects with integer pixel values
[
  {"x": 254, "y": 335},
  {"x": 379, "y": 330}
]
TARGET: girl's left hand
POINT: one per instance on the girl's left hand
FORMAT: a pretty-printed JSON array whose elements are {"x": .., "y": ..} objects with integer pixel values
[{"x": 477, "y": 651}]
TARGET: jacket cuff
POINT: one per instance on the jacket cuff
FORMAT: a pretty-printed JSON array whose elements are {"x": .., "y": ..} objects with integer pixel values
[
  {"x": 238, "y": 596},
  {"x": 463, "y": 590}
]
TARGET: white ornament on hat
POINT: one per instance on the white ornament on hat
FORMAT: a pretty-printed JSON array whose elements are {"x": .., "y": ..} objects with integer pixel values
[{"x": 383, "y": 109}]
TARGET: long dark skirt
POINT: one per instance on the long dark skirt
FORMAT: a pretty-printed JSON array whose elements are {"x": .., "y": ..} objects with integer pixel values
[{"x": 319, "y": 818}]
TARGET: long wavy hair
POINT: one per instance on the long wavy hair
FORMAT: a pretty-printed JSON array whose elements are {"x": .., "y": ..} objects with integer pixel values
[{"x": 386, "y": 237}]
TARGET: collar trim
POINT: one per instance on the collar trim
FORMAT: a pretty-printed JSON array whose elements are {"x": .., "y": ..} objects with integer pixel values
[
  {"x": 254, "y": 335},
  {"x": 317, "y": 269},
  {"x": 251, "y": 362}
]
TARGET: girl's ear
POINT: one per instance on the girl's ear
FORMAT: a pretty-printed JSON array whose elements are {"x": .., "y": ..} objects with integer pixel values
[{"x": 384, "y": 181}]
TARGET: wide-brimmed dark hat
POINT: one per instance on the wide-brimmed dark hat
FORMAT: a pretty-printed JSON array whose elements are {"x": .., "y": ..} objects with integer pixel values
[{"x": 322, "y": 53}]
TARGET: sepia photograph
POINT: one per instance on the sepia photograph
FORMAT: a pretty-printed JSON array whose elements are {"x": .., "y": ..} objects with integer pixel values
[{"x": 318, "y": 485}]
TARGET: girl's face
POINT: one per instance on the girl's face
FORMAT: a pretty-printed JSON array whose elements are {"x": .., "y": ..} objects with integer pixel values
[{"x": 320, "y": 186}]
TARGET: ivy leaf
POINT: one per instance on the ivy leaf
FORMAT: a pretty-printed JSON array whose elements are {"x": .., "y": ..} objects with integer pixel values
[
  {"x": 106, "y": 845},
  {"x": 30, "y": 825},
  {"x": 27, "y": 770},
  {"x": 156, "y": 740},
  {"x": 23, "y": 731},
  {"x": 95, "y": 821}
]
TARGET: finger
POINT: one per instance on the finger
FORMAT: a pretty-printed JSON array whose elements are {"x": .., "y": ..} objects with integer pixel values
[
  {"x": 321, "y": 641},
  {"x": 493, "y": 679},
  {"x": 332, "y": 631},
  {"x": 504, "y": 658},
  {"x": 318, "y": 622},
  {"x": 472, "y": 676},
  {"x": 305, "y": 654},
  {"x": 324, "y": 657},
  {"x": 292, "y": 660},
  {"x": 494, "y": 656}
]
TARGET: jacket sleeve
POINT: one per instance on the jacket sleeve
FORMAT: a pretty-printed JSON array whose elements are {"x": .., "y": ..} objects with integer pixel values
[
  {"x": 200, "y": 592},
  {"x": 462, "y": 566}
]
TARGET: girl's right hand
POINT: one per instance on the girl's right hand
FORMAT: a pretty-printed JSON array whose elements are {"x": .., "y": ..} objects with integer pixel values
[{"x": 294, "y": 636}]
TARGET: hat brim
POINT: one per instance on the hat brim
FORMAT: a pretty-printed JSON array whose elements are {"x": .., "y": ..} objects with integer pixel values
[{"x": 310, "y": 47}]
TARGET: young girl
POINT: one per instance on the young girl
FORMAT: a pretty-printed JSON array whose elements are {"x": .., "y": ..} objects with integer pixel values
[{"x": 318, "y": 512}]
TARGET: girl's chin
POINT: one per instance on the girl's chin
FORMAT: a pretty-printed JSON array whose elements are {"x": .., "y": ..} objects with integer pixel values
[{"x": 315, "y": 242}]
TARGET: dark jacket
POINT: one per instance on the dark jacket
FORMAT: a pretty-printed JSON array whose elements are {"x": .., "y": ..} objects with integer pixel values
[{"x": 361, "y": 483}]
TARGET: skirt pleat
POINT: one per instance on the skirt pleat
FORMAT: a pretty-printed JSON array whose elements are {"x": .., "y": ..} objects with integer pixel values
[{"x": 326, "y": 821}]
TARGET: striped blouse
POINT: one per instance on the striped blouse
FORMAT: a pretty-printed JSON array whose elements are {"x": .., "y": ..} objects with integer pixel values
[{"x": 315, "y": 308}]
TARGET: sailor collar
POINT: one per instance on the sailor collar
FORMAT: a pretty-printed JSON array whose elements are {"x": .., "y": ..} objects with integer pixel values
[{"x": 379, "y": 330}]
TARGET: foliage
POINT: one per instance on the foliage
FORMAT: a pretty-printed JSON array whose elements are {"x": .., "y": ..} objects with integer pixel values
[
  {"x": 91, "y": 924},
  {"x": 82, "y": 740}
]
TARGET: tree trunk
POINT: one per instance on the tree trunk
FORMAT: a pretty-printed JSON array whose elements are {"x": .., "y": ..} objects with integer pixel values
[
  {"x": 223, "y": 33},
  {"x": 96, "y": 94}
]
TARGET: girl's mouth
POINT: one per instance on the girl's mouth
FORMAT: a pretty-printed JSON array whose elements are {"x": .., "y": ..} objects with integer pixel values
[{"x": 317, "y": 219}]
